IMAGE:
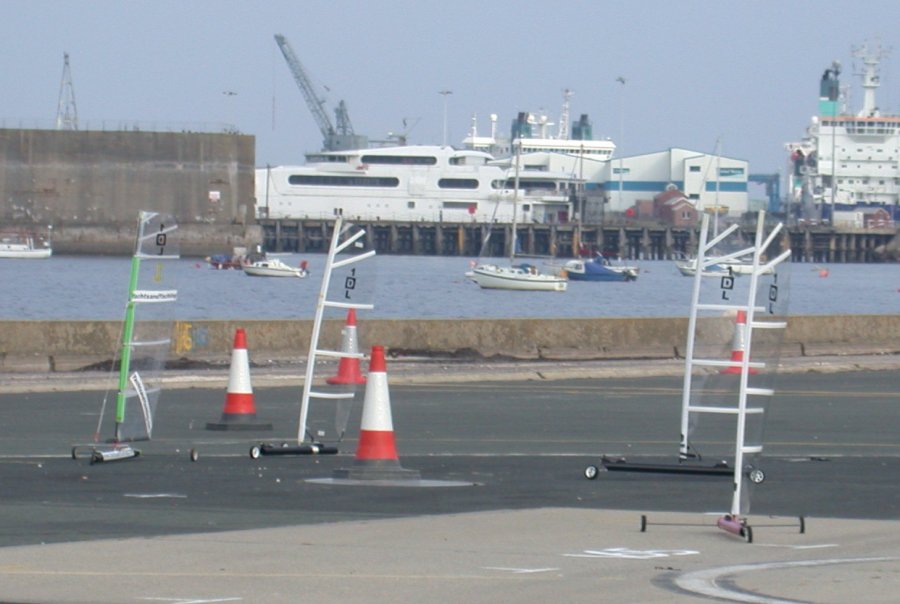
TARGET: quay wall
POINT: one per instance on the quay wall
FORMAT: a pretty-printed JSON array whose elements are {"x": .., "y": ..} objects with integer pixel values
[
  {"x": 59, "y": 346},
  {"x": 90, "y": 184}
]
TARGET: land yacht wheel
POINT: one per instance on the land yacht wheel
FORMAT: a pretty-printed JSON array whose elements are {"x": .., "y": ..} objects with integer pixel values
[
  {"x": 590, "y": 472},
  {"x": 756, "y": 476}
]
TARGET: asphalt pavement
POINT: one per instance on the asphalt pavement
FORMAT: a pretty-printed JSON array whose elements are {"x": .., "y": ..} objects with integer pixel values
[{"x": 513, "y": 520}]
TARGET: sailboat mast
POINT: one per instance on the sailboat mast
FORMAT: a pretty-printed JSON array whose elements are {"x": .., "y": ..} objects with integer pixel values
[
  {"x": 512, "y": 247},
  {"x": 717, "y": 176}
]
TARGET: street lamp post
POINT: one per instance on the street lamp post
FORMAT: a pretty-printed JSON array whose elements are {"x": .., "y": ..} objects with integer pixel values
[
  {"x": 621, "y": 80},
  {"x": 230, "y": 94}
]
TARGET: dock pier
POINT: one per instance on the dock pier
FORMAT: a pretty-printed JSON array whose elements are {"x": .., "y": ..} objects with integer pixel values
[{"x": 630, "y": 240}]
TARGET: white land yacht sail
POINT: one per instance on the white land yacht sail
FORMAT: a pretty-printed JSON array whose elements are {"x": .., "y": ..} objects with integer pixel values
[
  {"x": 145, "y": 340},
  {"x": 735, "y": 332},
  {"x": 348, "y": 283}
]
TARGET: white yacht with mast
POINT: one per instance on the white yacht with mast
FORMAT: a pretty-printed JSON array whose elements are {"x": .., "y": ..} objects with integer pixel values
[{"x": 522, "y": 277}]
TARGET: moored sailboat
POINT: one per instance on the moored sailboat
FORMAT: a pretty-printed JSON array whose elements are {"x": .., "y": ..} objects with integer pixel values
[{"x": 521, "y": 277}]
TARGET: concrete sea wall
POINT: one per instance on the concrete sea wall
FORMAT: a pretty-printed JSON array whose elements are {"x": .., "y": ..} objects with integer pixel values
[
  {"x": 58, "y": 346},
  {"x": 89, "y": 185}
]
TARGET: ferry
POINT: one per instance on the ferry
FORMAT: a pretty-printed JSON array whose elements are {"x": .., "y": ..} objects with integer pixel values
[
  {"x": 845, "y": 171},
  {"x": 414, "y": 183}
]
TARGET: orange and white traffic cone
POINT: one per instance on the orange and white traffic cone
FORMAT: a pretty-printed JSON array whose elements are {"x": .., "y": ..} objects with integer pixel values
[
  {"x": 738, "y": 345},
  {"x": 376, "y": 453},
  {"x": 240, "y": 409},
  {"x": 348, "y": 367}
]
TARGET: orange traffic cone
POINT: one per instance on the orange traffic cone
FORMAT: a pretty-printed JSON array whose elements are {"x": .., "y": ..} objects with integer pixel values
[
  {"x": 376, "y": 454},
  {"x": 738, "y": 345},
  {"x": 240, "y": 410},
  {"x": 348, "y": 367}
]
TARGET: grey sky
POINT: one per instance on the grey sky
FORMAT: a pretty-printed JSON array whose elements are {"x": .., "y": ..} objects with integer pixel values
[{"x": 695, "y": 71}]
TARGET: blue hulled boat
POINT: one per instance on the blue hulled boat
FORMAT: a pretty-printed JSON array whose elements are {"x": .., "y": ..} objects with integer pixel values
[{"x": 599, "y": 269}]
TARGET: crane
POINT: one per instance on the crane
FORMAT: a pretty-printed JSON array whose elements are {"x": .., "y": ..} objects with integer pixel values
[
  {"x": 67, "y": 111},
  {"x": 334, "y": 139}
]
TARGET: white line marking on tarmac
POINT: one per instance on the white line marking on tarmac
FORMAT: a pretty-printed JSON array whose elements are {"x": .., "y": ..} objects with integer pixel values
[
  {"x": 155, "y": 495},
  {"x": 193, "y": 600},
  {"x": 521, "y": 571},
  {"x": 820, "y": 546},
  {"x": 632, "y": 554},
  {"x": 705, "y": 582}
]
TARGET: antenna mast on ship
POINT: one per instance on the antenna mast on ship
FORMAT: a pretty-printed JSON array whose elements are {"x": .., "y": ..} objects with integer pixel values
[
  {"x": 564, "y": 116},
  {"x": 66, "y": 111},
  {"x": 871, "y": 82}
]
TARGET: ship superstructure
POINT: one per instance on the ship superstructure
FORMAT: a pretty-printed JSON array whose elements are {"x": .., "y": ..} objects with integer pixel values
[
  {"x": 846, "y": 170},
  {"x": 413, "y": 183},
  {"x": 533, "y": 134}
]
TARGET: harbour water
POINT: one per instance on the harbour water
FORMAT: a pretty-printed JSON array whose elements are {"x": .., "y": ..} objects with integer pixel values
[{"x": 409, "y": 287}]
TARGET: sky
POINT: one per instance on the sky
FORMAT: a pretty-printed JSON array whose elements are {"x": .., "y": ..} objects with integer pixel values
[{"x": 740, "y": 75}]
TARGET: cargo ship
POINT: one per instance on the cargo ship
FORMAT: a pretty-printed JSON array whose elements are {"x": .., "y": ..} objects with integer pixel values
[{"x": 846, "y": 170}]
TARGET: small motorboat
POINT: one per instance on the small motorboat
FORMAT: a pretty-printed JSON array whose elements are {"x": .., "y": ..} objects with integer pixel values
[
  {"x": 273, "y": 267},
  {"x": 599, "y": 269},
  {"x": 742, "y": 268},
  {"x": 223, "y": 261},
  {"x": 688, "y": 268},
  {"x": 23, "y": 245}
]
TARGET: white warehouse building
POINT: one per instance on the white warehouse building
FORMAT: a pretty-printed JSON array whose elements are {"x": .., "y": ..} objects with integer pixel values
[{"x": 710, "y": 181}]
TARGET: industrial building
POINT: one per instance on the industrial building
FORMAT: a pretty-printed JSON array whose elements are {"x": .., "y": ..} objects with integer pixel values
[{"x": 711, "y": 182}]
